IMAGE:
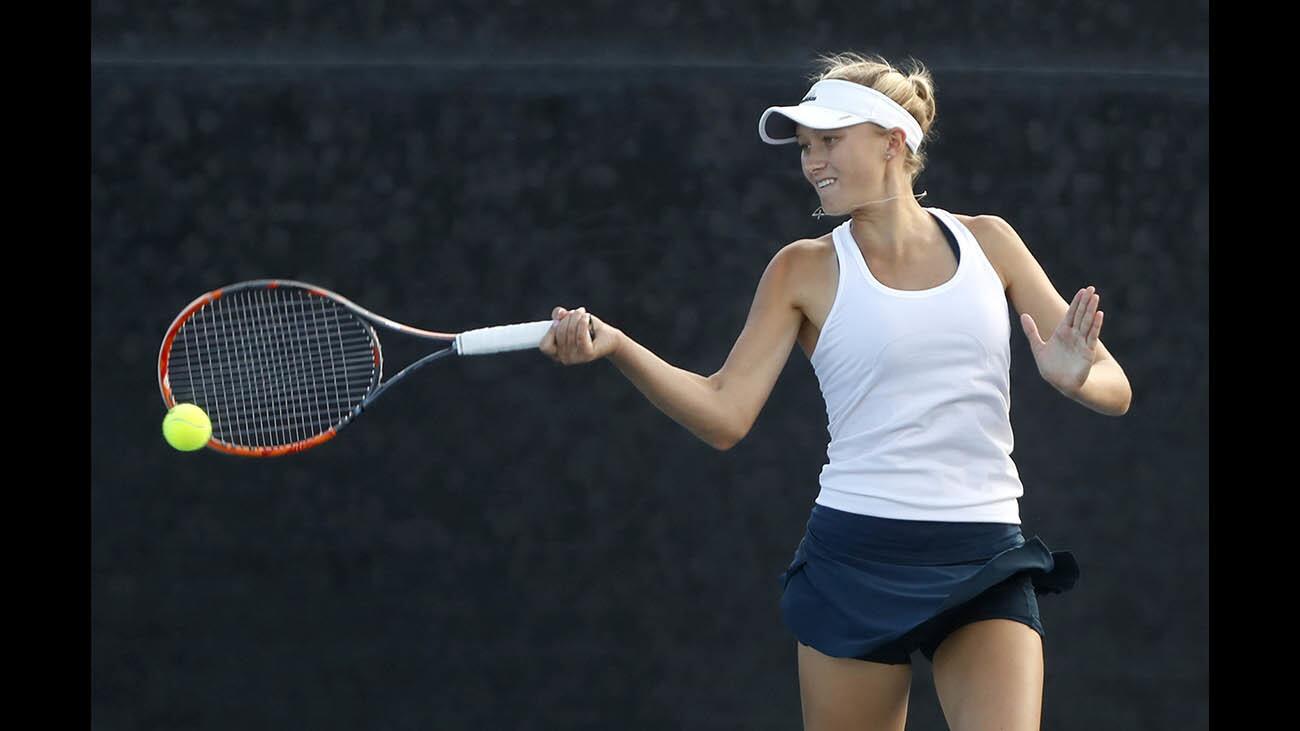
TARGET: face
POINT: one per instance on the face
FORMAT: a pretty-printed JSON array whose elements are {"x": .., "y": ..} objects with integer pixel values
[{"x": 852, "y": 159}]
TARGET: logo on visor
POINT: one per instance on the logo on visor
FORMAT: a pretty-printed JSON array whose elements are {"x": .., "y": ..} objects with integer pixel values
[{"x": 809, "y": 98}]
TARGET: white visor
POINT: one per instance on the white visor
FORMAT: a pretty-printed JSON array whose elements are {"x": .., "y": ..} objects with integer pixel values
[{"x": 836, "y": 103}]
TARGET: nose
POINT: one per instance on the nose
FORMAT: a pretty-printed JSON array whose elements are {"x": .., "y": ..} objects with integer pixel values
[{"x": 813, "y": 164}]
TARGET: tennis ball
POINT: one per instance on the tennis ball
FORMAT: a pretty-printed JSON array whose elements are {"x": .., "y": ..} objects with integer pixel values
[{"x": 186, "y": 427}]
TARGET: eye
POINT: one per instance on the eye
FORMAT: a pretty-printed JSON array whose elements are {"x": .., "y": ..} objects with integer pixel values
[{"x": 829, "y": 140}]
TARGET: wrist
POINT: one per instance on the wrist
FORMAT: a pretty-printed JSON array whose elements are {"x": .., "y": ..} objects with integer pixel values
[
  {"x": 1071, "y": 392},
  {"x": 617, "y": 337}
]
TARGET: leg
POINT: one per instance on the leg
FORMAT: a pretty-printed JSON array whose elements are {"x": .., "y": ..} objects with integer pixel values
[
  {"x": 989, "y": 675},
  {"x": 843, "y": 694}
]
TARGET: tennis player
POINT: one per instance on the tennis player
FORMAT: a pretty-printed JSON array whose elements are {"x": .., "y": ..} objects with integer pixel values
[{"x": 914, "y": 540}]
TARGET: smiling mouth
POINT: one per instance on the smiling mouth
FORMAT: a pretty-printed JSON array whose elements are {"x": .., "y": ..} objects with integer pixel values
[{"x": 824, "y": 184}]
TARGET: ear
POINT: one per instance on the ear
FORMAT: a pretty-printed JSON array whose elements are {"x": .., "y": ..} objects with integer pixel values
[{"x": 895, "y": 141}]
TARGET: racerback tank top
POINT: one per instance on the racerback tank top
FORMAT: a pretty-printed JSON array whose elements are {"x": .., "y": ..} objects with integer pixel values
[{"x": 917, "y": 391}]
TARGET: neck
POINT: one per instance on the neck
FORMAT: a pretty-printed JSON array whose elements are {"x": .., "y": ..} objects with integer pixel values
[{"x": 891, "y": 228}]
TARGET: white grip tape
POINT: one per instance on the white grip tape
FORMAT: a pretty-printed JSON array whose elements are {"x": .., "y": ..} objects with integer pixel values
[{"x": 502, "y": 338}]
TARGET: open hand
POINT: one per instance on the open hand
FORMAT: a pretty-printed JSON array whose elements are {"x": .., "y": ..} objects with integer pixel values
[{"x": 1065, "y": 359}]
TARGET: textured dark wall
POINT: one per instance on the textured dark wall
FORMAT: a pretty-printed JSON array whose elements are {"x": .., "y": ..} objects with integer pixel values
[
  {"x": 760, "y": 29},
  {"x": 506, "y": 543}
]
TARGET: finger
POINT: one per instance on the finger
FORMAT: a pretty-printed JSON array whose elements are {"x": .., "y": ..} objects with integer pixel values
[
  {"x": 579, "y": 330},
  {"x": 563, "y": 335},
  {"x": 1095, "y": 333},
  {"x": 1076, "y": 309},
  {"x": 1085, "y": 322},
  {"x": 552, "y": 336},
  {"x": 557, "y": 341},
  {"x": 579, "y": 349},
  {"x": 1081, "y": 317},
  {"x": 562, "y": 348},
  {"x": 1031, "y": 330},
  {"x": 1068, "y": 320},
  {"x": 571, "y": 332},
  {"x": 557, "y": 337},
  {"x": 557, "y": 330}
]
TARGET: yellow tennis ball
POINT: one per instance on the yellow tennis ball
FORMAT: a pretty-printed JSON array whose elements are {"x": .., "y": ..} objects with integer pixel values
[{"x": 186, "y": 427}]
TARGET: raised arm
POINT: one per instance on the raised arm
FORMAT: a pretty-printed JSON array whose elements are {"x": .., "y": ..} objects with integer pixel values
[
  {"x": 721, "y": 408},
  {"x": 1070, "y": 355}
]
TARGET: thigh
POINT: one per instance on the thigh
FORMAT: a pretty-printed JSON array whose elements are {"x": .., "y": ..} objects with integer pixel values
[
  {"x": 989, "y": 674},
  {"x": 839, "y": 694},
  {"x": 988, "y": 663},
  {"x": 1013, "y": 599}
]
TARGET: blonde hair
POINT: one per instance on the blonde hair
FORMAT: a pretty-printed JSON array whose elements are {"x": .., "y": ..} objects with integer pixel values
[{"x": 912, "y": 88}]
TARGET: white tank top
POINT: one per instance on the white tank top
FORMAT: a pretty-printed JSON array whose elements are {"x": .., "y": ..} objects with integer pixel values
[{"x": 917, "y": 391}]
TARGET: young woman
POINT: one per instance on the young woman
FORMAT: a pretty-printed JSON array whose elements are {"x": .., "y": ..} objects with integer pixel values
[{"x": 914, "y": 539}]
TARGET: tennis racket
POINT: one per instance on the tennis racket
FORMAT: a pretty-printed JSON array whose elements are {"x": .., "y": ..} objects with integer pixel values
[{"x": 281, "y": 366}]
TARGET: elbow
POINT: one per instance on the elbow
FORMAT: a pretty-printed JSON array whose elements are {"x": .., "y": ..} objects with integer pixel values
[
  {"x": 727, "y": 440},
  {"x": 1127, "y": 403},
  {"x": 729, "y": 423},
  {"x": 723, "y": 444},
  {"x": 1126, "y": 400},
  {"x": 1112, "y": 410}
]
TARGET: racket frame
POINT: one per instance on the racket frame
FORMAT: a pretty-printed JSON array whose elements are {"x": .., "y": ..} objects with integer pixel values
[{"x": 377, "y": 386}]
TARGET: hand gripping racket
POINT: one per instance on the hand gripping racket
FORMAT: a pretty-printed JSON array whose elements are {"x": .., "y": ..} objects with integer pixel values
[{"x": 281, "y": 366}]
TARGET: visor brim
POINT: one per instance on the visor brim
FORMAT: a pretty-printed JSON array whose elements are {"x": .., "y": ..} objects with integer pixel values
[{"x": 777, "y": 125}]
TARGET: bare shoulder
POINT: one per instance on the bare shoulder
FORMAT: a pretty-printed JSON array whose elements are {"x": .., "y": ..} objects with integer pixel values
[
  {"x": 812, "y": 252},
  {"x": 811, "y": 247},
  {"x": 996, "y": 238},
  {"x": 811, "y": 262}
]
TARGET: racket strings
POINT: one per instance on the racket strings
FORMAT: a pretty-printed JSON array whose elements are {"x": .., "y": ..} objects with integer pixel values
[{"x": 273, "y": 367}]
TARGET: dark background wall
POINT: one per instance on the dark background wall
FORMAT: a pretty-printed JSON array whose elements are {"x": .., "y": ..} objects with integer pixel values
[{"x": 506, "y": 543}]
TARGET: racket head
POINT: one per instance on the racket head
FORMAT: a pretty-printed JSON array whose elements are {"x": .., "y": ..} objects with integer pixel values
[{"x": 278, "y": 366}]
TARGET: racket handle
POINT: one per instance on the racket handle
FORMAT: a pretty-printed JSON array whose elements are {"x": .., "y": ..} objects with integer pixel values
[{"x": 502, "y": 338}]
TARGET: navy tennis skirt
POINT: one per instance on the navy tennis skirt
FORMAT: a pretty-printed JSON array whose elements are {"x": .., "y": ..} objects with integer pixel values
[{"x": 862, "y": 587}]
